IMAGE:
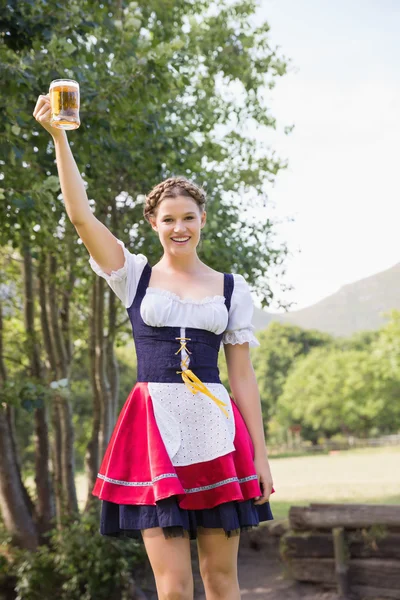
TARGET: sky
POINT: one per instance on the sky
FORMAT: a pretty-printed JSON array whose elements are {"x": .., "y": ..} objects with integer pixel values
[{"x": 342, "y": 186}]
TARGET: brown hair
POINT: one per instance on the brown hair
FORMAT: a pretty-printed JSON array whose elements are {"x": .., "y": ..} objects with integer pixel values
[{"x": 172, "y": 188}]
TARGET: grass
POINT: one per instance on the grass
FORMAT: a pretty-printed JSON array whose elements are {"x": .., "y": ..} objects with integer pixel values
[
  {"x": 364, "y": 475},
  {"x": 326, "y": 452}
]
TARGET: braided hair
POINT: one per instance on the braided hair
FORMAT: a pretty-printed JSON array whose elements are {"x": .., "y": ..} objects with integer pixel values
[{"x": 172, "y": 188}]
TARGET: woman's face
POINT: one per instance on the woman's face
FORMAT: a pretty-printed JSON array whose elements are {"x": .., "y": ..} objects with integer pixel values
[{"x": 178, "y": 222}]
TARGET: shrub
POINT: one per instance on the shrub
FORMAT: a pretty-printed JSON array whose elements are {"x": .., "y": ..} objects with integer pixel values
[{"x": 77, "y": 564}]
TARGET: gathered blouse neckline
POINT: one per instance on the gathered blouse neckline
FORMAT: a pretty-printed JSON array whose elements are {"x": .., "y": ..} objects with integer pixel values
[{"x": 172, "y": 296}]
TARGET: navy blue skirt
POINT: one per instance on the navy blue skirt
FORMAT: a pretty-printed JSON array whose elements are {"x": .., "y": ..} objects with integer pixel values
[{"x": 127, "y": 520}]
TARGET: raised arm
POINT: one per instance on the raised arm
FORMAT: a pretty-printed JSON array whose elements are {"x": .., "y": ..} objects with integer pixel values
[{"x": 99, "y": 241}]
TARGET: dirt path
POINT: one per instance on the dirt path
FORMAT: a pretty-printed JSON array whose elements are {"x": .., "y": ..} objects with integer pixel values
[{"x": 261, "y": 577}]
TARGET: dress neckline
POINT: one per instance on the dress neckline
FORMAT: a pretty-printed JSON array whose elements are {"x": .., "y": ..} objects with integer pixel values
[{"x": 166, "y": 293}]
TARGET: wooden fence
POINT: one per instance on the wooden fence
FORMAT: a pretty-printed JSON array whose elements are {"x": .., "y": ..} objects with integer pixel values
[
  {"x": 353, "y": 547},
  {"x": 346, "y": 444}
]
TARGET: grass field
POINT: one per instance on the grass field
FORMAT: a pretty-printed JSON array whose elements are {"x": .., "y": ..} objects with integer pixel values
[{"x": 363, "y": 475}]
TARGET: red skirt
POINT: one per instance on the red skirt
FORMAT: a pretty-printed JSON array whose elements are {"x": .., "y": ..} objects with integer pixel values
[{"x": 136, "y": 468}]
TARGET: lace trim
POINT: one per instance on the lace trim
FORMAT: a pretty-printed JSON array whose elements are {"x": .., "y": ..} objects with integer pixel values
[
  {"x": 187, "y": 491},
  {"x": 117, "y": 275},
  {"x": 173, "y": 296},
  {"x": 241, "y": 336}
]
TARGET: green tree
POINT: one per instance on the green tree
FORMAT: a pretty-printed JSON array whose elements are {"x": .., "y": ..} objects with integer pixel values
[
  {"x": 360, "y": 340},
  {"x": 280, "y": 347},
  {"x": 385, "y": 357},
  {"x": 168, "y": 88},
  {"x": 334, "y": 391}
]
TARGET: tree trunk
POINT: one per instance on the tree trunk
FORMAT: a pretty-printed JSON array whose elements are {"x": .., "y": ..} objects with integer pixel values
[
  {"x": 45, "y": 318},
  {"x": 104, "y": 373},
  {"x": 16, "y": 511},
  {"x": 62, "y": 404},
  {"x": 92, "y": 450},
  {"x": 70, "y": 235},
  {"x": 44, "y": 315},
  {"x": 68, "y": 457},
  {"x": 111, "y": 359},
  {"x": 17, "y": 518},
  {"x": 10, "y": 412},
  {"x": 45, "y": 509},
  {"x": 56, "y": 459},
  {"x": 103, "y": 365},
  {"x": 106, "y": 423}
]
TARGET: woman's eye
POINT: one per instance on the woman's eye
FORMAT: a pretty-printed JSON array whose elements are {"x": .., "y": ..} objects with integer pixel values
[{"x": 169, "y": 220}]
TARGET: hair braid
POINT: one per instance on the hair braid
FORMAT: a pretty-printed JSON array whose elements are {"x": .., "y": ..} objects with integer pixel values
[{"x": 172, "y": 188}]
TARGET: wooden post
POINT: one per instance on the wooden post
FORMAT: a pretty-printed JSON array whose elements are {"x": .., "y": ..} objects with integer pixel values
[{"x": 341, "y": 563}]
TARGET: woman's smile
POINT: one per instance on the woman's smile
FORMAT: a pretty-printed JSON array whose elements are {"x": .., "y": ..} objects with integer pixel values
[{"x": 180, "y": 240}]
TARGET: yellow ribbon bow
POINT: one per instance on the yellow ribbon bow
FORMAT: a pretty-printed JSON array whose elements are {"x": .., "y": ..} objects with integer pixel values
[
  {"x": 191, "y": 380},
  {"x": 195, "y": 385}
]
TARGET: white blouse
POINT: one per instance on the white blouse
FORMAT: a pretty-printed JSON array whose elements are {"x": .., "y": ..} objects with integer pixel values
[
  {"x": 162, "y": 308},
  {"x": 192, "y": 426}
]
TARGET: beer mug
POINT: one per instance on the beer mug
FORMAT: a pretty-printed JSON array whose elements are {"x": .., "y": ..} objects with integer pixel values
[{"x": 64, "y": 102}]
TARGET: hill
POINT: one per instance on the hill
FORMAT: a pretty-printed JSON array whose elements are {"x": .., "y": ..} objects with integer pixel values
[{"x": 354, "y": 307}]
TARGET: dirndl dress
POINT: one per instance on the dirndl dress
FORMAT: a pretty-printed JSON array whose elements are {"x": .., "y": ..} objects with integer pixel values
[{"x": 180, "y": 455}]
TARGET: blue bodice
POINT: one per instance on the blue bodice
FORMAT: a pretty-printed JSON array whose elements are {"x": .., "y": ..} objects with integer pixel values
[{"x": 157, "y": 348}]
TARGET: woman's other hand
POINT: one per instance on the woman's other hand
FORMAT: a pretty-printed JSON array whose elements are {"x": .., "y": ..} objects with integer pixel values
[{"x": 264, "y": 477}]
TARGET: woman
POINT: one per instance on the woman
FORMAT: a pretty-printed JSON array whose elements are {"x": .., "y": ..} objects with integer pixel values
[{"x": 185, "y": 460}]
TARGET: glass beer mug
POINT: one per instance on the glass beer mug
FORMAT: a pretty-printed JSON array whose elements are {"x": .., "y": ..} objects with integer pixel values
[{"x": 64, "y": 102}]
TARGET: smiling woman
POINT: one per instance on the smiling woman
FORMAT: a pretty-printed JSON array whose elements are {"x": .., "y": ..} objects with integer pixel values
[
  {"x": 184, "y": 238},
  {"x": 175, "y": 209},
  {"x": 196, "y": 456},
  {"x": 184, "y": 460}
]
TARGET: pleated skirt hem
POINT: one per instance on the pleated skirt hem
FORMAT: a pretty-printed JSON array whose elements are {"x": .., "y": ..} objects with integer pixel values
[{"x": 127, "y": 520}]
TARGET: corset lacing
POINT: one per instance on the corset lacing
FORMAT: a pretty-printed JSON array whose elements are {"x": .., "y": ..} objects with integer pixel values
[{"x": 192, "y": 382}]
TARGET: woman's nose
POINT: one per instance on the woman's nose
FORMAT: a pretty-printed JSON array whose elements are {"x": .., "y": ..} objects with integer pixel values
[{"x": 179, "y": 226}]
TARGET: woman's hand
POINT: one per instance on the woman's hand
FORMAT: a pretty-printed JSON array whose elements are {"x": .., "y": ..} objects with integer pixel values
[
  {"x": 42, "y": 114},
  {"x": 264, "y": 478}
]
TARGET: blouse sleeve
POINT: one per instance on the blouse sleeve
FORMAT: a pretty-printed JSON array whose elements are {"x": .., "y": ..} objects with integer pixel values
[
  {"x": 240, "y": 329},
  {"x": 125, "y": 280}
]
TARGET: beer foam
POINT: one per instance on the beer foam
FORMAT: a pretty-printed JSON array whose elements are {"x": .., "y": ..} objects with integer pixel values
[{"x": 64, "y": 82}]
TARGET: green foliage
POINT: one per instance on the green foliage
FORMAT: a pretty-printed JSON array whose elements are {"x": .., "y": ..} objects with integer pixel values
[
  {"x": 152, "y": 106},
  {"x": 25, "y": 393},
  {"x": 280, "y": 347},
  {"x": 361, "y": 340},
  {"x": 353, "y": 391},
  {"x": 81, "y": 393},
  {"x": 78, "y": 564},
  {"x": 331, "y": 387},
  {"x": 165, "y": 90},
  {"x": 37, "y": 576}
]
